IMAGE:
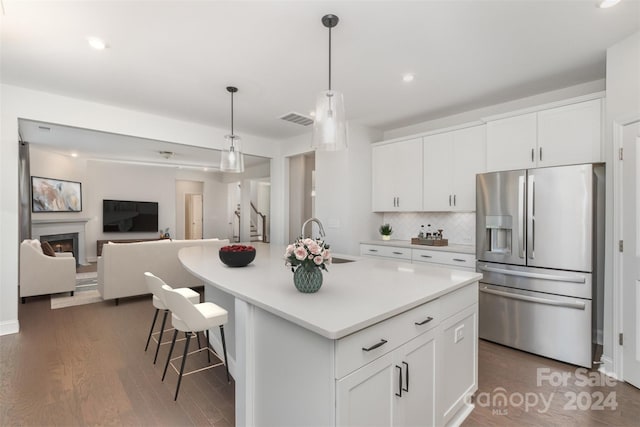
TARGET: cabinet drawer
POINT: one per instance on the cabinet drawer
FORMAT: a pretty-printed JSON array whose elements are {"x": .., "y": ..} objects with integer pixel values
[
  {"x": 386, "y": 251},
  {"x": 441, "y": 257},
  {"x": 384, "y": 337},
  {"x": 457, "y": 300}
]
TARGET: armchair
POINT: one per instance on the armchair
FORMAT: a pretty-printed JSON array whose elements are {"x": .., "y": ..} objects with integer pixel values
[{"x": 41, "y": 274}]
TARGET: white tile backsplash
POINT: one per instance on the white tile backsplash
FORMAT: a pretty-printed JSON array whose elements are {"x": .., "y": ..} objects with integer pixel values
[{"x": 459, "y": 227}]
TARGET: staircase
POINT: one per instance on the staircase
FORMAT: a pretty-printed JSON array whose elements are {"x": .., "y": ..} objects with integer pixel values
[{"x": 256, "y": 231}]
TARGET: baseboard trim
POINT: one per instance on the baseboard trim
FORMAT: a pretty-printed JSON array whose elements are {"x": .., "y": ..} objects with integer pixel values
[
  {"x": 607, "y": 367},
  {"x": 9, "y": 327}
]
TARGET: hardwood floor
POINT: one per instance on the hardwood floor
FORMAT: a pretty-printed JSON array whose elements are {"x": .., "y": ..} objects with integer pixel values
[
  {"x": 86, "y": 365},
  {"x": 557, "y": 393}
]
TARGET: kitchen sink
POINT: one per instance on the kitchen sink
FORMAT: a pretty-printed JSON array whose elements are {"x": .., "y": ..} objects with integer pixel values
[{"x": 335, "y": 260}]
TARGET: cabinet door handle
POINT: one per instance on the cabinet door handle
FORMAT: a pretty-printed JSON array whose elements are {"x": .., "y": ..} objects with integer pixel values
[
  {"x": 533, "y": 154},
  {"x": 449, "y": 199},
  {"x": 454, "y": 200},
  {"x": 459, "y": 260},
  {"x": 373, "y": 250},
  {"x": 399, "y": 393},
  {"x": 406, "y": 377},
  {"x": 397, "y": 253},
  {"x": 426, "y": 256},
  {"x": 398, "y": 201},
  {"x": 424, "y": 322},
  {"x": 376, "y": 345},
  {"x": 540, "y": 153}
]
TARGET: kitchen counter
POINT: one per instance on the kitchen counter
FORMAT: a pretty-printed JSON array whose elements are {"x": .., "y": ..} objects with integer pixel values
[
  {"x": 463, "y": 249},
  {"x": 388, "y": 287},
  {"x": 308, "y": 359}
]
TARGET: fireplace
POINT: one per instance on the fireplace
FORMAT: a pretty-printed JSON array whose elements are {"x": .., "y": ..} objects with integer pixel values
[
  {"x": 67, "y": 242},
  {"x": 51, "y": 229}
]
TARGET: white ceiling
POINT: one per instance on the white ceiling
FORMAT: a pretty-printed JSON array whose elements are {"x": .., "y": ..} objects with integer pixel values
[
  {"x": 175, "y": 58},
  {"x": 104, "y": 146}
]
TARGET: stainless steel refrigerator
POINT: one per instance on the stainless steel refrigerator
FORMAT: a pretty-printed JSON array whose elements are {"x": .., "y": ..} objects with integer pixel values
[{"x": 539, "y": 235}]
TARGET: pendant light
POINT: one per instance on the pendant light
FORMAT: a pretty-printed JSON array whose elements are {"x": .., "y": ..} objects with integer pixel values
[
  {"x": 232, "y": 159},
  {"x": 329, "y": 126}
]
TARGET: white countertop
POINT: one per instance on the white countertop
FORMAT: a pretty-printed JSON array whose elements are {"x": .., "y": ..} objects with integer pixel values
[
  {"x": 463, "y": 249},
  {"x": 353, "y": 295}
]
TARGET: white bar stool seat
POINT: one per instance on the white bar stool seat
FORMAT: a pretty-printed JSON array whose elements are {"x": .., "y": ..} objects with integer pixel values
[
  {"x": 154, "y": 284},
  {"x": 191, "y": 319}
]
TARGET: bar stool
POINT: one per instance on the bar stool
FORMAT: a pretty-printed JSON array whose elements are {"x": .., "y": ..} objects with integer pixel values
[
  {"x": 155, "y": 284},
  {"x": 191, "y": 319}
]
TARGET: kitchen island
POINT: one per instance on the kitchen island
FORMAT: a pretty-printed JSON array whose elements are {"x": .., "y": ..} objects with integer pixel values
[{"x": 381, "y": 343}]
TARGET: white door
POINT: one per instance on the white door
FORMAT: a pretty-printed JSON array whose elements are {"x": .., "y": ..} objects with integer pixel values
[
  {"x": 512, "y": 142},
  {"x": 193, "y": 216},
  {"x": 418, "y": 358},
  {"x": 438, "y": 171},
  {"x": 383, "y": 197},
  {"x": 366, "y": 397},
  {"x": 631, "y": 253},
  {"x": 570, "y": 134},
  {"x": 469, "y": 159}
]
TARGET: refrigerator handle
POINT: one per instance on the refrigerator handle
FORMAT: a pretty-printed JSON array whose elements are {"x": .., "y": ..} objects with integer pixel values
[
  {"x": 531, "y": 207},
  {"x": 521, "y": 214},
  {"x": 578, "y": 304}
]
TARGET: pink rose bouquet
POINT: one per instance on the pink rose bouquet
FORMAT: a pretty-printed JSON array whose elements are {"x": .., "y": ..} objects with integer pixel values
[{"x": 308, "y": 253}]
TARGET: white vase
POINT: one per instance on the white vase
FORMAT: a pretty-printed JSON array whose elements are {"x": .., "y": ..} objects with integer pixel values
[{"x": 386, "y": 237}]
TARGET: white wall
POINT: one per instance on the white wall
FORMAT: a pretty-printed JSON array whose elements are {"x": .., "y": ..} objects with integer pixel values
[
  {"x": 343, "y": 192},
  {"x": 17, "y": 102},
  {"x": 623, "y": 100}
]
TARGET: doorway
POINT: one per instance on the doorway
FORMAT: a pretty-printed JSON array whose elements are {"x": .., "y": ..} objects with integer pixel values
[
  {"x": 189, "y": 209},
  {"x": 302, "y": 194}
]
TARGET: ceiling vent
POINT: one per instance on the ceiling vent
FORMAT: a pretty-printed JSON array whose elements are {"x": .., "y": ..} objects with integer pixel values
[
  {"x": 297, "y": 118},
  {"x": 166, "y": 154}
]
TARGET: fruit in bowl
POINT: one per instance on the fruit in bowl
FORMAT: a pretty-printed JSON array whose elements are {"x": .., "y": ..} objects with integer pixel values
[{"x": 237, "y": 255}]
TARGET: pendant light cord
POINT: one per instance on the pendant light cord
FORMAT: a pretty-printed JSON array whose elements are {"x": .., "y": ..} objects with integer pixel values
[
  {"x": 232, "y": 117},
  {"x": 329, "y": 58}
]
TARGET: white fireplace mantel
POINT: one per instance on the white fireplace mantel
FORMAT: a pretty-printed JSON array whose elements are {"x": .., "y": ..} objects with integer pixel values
[
  {"x": 59, "y": 220},
  {"x": 46, "y": 226}
]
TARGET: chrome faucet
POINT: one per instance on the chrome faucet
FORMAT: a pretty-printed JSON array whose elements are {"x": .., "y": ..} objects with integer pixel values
[{"x": 317, "y": 221}]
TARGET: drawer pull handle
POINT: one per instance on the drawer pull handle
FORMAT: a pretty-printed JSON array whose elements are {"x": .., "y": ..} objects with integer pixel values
[
  {"x": 460, "y": 260},
  {"x": 424, "y": 322},
  {"x": 398, "y": 253},
  {"x": 399, "y": 393},
  {"x": 373, "y": 250},
  {"x": 373, "y": 347},
  {"x": 426, "y": 256}
]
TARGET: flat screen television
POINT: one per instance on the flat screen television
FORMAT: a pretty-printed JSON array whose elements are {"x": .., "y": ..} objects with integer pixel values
[{"x": 122, "y": 216}]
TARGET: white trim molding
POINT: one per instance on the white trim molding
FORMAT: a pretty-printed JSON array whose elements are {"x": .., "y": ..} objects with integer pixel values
[
  {"x": 613, "y": 366},
  {"x": 9, "y": 327}
]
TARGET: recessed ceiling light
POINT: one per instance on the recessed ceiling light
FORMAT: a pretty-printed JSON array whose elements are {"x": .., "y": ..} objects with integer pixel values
[
  {"x": 96, "y": 43},
  {"x": 74, "y": 154},
  {"x": 604, "y": 4},
  {"x": 312, "y": 113},
  {"x": 408, "y": 77},
  {"x": 205, "y": 169}
]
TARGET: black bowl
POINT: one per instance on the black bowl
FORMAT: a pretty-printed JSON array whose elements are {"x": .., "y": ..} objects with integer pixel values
[{"x": 237, "y": 259}]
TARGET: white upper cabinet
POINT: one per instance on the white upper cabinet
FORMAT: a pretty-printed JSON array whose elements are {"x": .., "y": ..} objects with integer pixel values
[
  {"x": 570, "y": 134},
  {"x": 451, "y": 162},
  {"x": 397, "y": 176},
  {"x": 564, "y": 135},
  {"x": 511, "y": 142}
]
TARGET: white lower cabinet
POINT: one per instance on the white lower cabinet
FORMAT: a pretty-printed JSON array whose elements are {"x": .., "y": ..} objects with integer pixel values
[
  {"x": 458, "y": 260},
  {"x": 416, "y": 369},
  {"x": 397, "y": 389}
]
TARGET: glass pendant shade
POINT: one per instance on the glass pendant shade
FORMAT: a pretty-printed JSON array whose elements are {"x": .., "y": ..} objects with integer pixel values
[
  {"x": 232, "y": 159},
  {"x": 329, "y": 125}
]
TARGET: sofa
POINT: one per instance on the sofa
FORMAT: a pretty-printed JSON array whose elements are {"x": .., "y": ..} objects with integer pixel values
[
  {"x": 42, "y": 274},
  {"x": 121, "y": 266}
]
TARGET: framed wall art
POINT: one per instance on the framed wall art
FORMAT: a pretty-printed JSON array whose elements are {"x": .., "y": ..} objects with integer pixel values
[{"x": 55, "y": 195}]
